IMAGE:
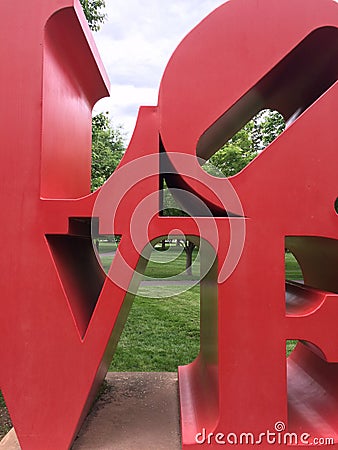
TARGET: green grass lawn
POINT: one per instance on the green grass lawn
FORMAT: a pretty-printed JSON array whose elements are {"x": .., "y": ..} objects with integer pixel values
[
  {"x": 164, "y": 264},
  {"x": 292, "y": 272},
  {"x": 161, "y": 334},
  {"x": 106, "y": 247},
  {"x": 172, "y": 263},
  {"x": 292, "y": 269}
]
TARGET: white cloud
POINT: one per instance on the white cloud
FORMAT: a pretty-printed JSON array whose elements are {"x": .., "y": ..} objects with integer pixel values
[
  {"x": 124, "y": 102},
  {"x": 135, "y": 46}
]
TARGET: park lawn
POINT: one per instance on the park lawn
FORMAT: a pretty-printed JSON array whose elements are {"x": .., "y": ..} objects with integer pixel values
[
  {"x": 172, "y": 264},
  {"x": 162, "y": 333},
  {"x": 106, "y": 247},
  {"x": 292, "y": 269},
  {"x": 165, "y": 264}
]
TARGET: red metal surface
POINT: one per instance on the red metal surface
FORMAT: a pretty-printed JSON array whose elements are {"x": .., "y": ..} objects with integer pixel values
[
  {"x": 247, "y": 56},
  {"x": 61, "y": 315}
]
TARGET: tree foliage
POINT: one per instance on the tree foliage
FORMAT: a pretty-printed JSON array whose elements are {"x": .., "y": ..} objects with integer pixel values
[
  {"x": 267, "y": 126},
  {"x": 107, "y": 142},
  {"x": 230, "y": 159},
  {"x": 93, "y": 12},
  {"x": 245, "y": 145},
  {"x": 107, "y": 148}
]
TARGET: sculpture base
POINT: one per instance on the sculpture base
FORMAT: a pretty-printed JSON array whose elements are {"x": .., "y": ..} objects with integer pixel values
[{"x": 136, "y": 410}]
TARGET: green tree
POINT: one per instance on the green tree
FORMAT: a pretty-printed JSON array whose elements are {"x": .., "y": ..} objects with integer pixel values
[
  {"x": 245, "y": 145},
  {"x": 188, "y": 247},
  {"x": 267, "y": 125},
  {"x": 107, "y": 142},
  {"x": 230, "y": 159},
  {"x": 93, "y": 12},
  {"x": 107, "y": 148}
]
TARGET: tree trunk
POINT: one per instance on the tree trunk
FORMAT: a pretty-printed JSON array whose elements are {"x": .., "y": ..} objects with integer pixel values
[{"x": 189, "y": 248}]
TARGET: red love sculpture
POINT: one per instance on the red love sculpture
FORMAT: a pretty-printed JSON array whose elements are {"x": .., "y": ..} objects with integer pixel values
[{"x": 62, "y": 315}]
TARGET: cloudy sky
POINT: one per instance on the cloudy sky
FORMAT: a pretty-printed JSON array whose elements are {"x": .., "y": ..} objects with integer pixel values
[{"x": 135, "y": 45}]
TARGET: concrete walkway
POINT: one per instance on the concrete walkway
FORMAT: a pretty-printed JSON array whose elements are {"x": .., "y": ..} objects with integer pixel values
[{"x": 138, "y": 411}]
